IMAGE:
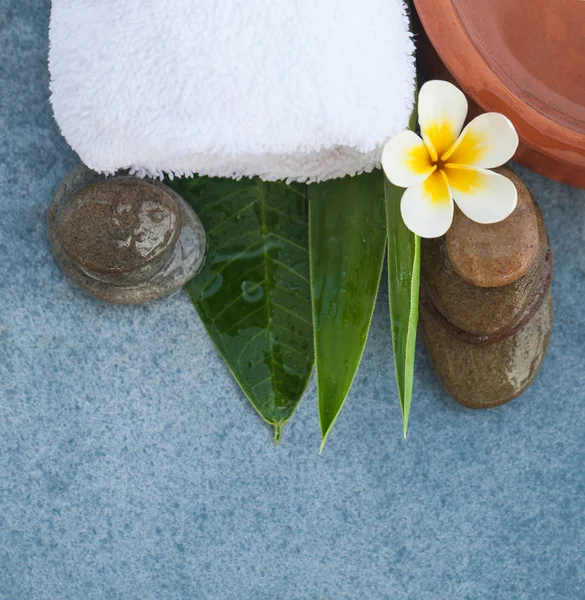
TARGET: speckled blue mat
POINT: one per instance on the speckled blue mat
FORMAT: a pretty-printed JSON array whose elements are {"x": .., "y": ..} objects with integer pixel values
[{"x": 132, "y": 468}]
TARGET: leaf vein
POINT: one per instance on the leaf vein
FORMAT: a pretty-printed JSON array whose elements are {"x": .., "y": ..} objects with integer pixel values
[
  {"x": 233, "y": 216},
  {"x": 289, "y": 217},
  {"x": 290, "y": 242},
  {"x": 281, "y": 264},
  {"x": 283, "y": 308}
]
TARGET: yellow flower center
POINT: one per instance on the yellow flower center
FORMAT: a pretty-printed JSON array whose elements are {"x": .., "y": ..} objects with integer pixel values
[{"x": 444, "y": 173}]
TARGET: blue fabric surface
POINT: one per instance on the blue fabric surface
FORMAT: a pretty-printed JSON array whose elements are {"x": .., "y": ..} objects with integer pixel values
[{"x": 132, "y": 468}]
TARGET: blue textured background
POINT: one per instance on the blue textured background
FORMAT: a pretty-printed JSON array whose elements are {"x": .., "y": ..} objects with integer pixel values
[{"x": 131, "y": 467}]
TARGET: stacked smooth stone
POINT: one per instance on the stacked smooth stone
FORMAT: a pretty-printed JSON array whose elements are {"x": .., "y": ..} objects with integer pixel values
[{"x": 486, "y": 306}]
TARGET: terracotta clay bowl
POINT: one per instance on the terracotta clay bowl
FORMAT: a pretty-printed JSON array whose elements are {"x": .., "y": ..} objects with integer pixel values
[{"x": 525, "y": 59}]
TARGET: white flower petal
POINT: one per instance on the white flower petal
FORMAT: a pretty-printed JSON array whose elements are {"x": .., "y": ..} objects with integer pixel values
[
  {"x": 406, "y": 160},
  {"x": 427, "y": 208},
  {"x": 489, "y": 141},
  {"x": 442, "y": 109},
  {"x": 483, "y": 196}
]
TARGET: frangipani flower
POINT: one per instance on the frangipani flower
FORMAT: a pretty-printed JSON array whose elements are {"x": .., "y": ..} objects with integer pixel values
[{"x": 448, "y": 164}]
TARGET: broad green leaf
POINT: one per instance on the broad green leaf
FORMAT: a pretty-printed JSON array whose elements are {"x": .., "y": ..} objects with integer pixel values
[
  {"x": 347, "y": 244},
  {"x": 403, "y": 289},
  {"x": 253, "y": 294}
]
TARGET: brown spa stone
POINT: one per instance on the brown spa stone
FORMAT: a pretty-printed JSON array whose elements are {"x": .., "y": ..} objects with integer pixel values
[
  {"x": 488, "y": 311},
  {"x": 117, "y": 229},
  {"x": 486, "y": 375},
  {"x": 488, "y": 343},
  {"x": 124, "y": 239},
  {"x": 500, "y": 253}
]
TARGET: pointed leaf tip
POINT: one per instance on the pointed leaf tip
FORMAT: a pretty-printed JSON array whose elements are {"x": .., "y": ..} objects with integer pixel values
[
  {"x": 253, "y": 293},
  {"x": 347, "y": 241},
  {"x": 403, "y": 292}
]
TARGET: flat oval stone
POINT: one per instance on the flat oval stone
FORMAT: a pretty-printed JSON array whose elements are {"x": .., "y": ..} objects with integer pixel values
[
  {"x": 487, "y": 312},
  {"x": 119, "y": 226},
  {"x": 123, "y": 239},
  {"x": 500, "y": 253},
  {"x": 486, "y": 375}
]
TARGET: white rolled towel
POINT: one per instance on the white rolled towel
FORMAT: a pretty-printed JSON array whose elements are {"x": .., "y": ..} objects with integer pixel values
[{"x": 303, "y": 90}]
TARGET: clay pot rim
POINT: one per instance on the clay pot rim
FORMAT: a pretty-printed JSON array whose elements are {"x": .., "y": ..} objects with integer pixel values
[{"x": 551, "y": 147}]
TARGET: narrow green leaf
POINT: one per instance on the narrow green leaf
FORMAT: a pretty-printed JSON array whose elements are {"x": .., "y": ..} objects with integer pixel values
[
  {"x": 403, "y": 290},
  {"x": 253, "y": 294},
  {"x": 347, "y": 244}
]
